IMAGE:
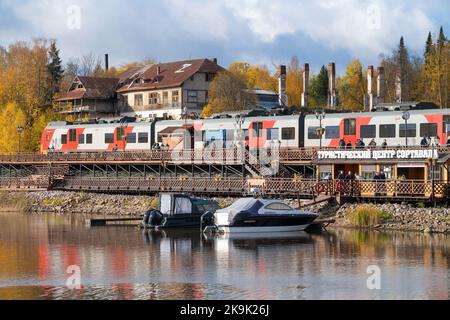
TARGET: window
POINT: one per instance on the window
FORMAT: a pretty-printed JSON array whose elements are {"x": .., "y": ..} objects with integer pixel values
[
  {"x": 131, "y": 138},
  {"x": 410, "y": 130},
  {"x": 120, "y": 133},
  {"x": 209, "y": 77},
  {"x": 64, "y": 139},
  {"x": 278, "y": 206},
  {"x": 192, "y": 96},
  {"x": 89, "y": 138},
  {"x": 72, "y": 135},
  {"x": 138, "y": 100},
  {"x": 349, "y": 127},
  {"x": 81, "y": 138},
  {"x": 288, "y": 133},
  {"x": 387, "y": 130},
  {"x": 273, "y": 134},
  {"x": 446, "y": 121},
  {"x": 368, "y": 131},
  {"x": 257, "y": 129},
  {"x": 229, "y": 135},
  {"x": 143, "y": 137},
  {"x": 109, "y": 137},
  {"x": 175, "y": 97},
  {"x": 332, "y": 132},
  {"x": 312, "y": 133},
  {"x": 246, "y": 136},
  {"x": 153, "y": 98},
  {"x": 428, "y": 130},
  {"x": 165, "y": 97}
]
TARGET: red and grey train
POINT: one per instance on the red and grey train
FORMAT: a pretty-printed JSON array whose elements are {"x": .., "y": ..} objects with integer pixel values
[{"x": 292, "y": 131}]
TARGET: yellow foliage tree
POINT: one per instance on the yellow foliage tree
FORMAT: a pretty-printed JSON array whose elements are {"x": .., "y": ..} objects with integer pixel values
[
  {"x": 352, "y": 87},
  {"x": 11, "y": 117}
]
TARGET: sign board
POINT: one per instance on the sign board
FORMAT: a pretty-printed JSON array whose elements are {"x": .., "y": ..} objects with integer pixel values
[{"x": 378, "y": 154}]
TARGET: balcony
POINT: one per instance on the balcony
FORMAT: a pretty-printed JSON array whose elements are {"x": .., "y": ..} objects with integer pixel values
[
  {"x": 152, "y": 107},
  {"x": 71, "y": 109}
]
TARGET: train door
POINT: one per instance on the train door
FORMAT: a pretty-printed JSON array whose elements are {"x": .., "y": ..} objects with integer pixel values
[{"x": 350, "y": 131}]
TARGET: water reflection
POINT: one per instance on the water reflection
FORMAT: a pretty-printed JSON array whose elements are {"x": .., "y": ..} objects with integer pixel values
[{"x": 127, "y": 263}]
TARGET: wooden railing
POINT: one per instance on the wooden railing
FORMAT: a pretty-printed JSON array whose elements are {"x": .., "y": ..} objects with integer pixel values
[{"x": 226, "y": 156}]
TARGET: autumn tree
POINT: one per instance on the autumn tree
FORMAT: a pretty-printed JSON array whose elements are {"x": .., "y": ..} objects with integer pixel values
[
  {"x": 352, "y": 87},
  {"x": 228, "y": 92},
  {"x": 294, "y": 82}
]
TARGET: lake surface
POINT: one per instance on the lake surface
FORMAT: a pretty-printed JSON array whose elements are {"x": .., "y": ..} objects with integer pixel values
[{"x": 127, "y": 263}]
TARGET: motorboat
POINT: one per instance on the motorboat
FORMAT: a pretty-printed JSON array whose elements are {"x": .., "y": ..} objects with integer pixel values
[
  {"x": 252, "y": 215},
  {"x": 179, "y": 210}
]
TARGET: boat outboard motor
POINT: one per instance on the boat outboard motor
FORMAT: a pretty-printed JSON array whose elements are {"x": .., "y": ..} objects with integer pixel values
[
  {"x": 155, "y": 219},
  {"x": 146, "y": 217},
  {"x": 208, "y": 218}
]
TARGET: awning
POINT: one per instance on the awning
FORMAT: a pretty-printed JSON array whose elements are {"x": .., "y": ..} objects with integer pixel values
[{"x": 411, "y": 165}]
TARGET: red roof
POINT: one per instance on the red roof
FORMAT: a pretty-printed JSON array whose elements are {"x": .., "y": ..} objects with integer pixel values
[
  {"x": 172, "y": 74},
  {"x": 93, "y": 88}
]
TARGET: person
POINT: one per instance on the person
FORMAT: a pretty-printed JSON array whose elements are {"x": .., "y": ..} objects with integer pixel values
[
  {"x": 115, "y": 148},
  {"x": 341, "y": 175},
  {"x": 424, "y": 142},
  {"x": 382, "y": 175},
  {"x": 342, "y": 143},
  {"x": 384, "y": 145},
  {"x": 360, "y": 144},
  {"x": 372, "y": 143},
  {"x": 376, "y": 176},
  {"x": 349, "y": 145},
  {"x": 448, "y": 141},
  {"x": 348, "y": 180}
]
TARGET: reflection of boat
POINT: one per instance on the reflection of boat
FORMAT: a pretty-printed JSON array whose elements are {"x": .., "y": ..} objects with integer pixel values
[
  {"x": 178, "y": 210},
  {"x": 289, "y": 235},
  {"x": 249, "y": 215}
]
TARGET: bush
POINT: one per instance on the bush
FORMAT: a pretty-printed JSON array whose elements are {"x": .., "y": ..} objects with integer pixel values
[
  {"x": 155, "y": 203},
  {"x": 386, "y": 216},
  {"x": 420, "y": 205},
  {"x": 366, "y": 216},
  {"x": 53, "y": 201}
]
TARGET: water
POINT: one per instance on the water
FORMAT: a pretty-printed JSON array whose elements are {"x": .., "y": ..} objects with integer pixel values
[{"x": 128, "y": 263}]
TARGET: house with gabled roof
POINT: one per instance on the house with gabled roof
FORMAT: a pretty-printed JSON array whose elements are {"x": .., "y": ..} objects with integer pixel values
[
  {"x": 166, "y": 90},
  {"x": 89, "y": 96}
]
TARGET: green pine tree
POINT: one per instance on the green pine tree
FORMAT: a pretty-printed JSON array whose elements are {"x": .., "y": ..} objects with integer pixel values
[
  {"x": 319, "y": 87},
  {"x": 55, "y": 71}
]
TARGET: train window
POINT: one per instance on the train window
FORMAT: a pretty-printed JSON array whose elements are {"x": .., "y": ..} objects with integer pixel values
[
  {"x": 120, "y": 133},
  {"x": 368, "y": 131},
  {"x": 89, "y": 138},
  {"x": 64, "y": 139},
  {"x": 273, "y": 134},
  {"x": 72, "y": 135},
  {"x": 446, "y": 121},
  {"x": 131, "y": 138},
  {"x": 387, "y": 130},
  {"x": 246, "y": 136},
  {"x": 312, "y": 133},
  {"x": 109, "y": 137},
  {"x": 428, "y": 130},
  {"x": 410, "y": 130},
  {"x": 143, "y": 137},
  {"x": 349, "y": 127},
  {"x": 81, "y": 138},
  {"x": 229, "y": 135},
  {"x": 257, "y": 129},
  {"x": 288, "y": 133},
  {"x": 332, "y": 132}
]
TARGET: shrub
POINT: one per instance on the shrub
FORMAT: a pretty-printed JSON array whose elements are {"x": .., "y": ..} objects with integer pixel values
[
  {"x": 53, "y": 201},
  {"x": 155, "y": 203},
  {"x": 420, "y": 205},
  {"x": 386, "y": 216},
  {"x": 366, "y": 216}
]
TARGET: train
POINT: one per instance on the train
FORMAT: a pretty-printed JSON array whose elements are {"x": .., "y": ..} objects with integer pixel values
[{"x": 283, "y": 131}]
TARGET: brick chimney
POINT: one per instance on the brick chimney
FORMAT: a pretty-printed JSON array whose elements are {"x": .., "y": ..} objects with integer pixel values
[
  {"x": 305, "y": 92},
  {"x": 282, "y": 95},
  {"x": 398, "y": 86},
  {"x": 369, "y": 104},
  {"x": 158, "y": 70},
  {"x": 380, "y": 85},
  {"x": 214, "y": 60},
  {"x": 332, "y": 85}
]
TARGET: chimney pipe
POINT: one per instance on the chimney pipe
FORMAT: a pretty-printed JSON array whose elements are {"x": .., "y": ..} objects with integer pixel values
[
  {"x": 282, "y": 96},
  {"x": 158, "y": 70},
  {"x": 332, "y": 85},
  {"x": 305, "y": 93},
  {"x": 380, "y": 85},
  {"x": 106, "y": 62},
  {"x": 214, "y": 60},
  {"x": 398, "y": 86},
  {"x": 369, "y": 104}
]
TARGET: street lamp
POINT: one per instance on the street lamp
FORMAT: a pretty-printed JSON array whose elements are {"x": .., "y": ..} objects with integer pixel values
[
  {"x": 19, "y": 132},
  {"x": 406, "y": 117},
  {"x": 320, "y": 116}
]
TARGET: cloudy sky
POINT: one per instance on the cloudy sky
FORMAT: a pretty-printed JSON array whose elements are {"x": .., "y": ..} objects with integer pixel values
[{"x": 258, "y": 31}]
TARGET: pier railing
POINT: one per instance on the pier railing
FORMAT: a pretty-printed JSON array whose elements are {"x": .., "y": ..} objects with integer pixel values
[{"x": 200, "y": 156}]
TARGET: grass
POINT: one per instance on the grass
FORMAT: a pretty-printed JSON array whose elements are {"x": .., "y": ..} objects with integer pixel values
[
  {"x": 53, "y": 201},
  {"x": 369, "y": 216},
  {"x": 13, "y": 201}
]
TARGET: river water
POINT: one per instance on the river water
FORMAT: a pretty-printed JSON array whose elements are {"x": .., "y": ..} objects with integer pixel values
[{"x": 123, "y": 262}]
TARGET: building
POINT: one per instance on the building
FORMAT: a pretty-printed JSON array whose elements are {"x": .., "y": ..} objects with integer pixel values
[
  {"x": 166, "y": 90},
  {"x": 91, "y": 97}
]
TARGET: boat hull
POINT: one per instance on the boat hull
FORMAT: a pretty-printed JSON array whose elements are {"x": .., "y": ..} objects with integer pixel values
[{"x": 261, "y": 229}]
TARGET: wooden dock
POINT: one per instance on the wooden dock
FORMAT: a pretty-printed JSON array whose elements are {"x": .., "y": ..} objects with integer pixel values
[{"x": 101, "y": 222}]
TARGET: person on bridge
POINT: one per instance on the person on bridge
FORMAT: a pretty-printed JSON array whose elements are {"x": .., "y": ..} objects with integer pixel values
[
  {"x": 342, "y": 143},
  {"x": 349, "y": 145},
  {"x": 384, "y": 145},
  {"x": 341, "y": 175},
  {"x": 360, "y": 144},
  {"x": 372, "y": 143},
  {"x": 424, "y": 143}
]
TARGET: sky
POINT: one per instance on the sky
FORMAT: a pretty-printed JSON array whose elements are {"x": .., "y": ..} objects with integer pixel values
[{"x": 263, "y": 32}]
